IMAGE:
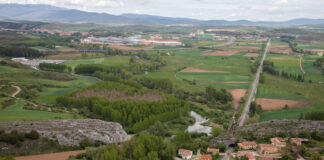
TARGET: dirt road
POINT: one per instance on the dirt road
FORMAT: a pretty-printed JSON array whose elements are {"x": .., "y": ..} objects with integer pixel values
[
  {"x": 17, "y": 92},
  {"x": 301, "y": 64},
  {"x": 51, "y": 156}
]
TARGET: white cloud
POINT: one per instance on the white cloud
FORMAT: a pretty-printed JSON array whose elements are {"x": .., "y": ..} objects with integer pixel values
[{"x": 202, "y": 9}]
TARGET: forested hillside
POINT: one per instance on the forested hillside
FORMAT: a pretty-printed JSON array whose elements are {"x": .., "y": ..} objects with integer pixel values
[{"x": 125, "y": 102}]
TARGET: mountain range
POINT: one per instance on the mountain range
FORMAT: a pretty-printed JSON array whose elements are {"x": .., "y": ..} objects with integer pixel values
[{"x": 47, "y": 13}]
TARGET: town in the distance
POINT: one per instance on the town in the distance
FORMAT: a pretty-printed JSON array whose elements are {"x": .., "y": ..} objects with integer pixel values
[{"x": 79, "y": 85}]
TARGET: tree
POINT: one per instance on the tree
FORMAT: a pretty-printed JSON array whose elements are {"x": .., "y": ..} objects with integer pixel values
[
  {"x": 253, "y": 108},
  {"x": 301, "y": 116},
  {"x": 217, "y": 130},
  {"x": 158, "y": 129}
]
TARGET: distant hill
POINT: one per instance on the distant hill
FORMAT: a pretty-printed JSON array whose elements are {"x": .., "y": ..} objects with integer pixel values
[{"x": 49, "y": 13}]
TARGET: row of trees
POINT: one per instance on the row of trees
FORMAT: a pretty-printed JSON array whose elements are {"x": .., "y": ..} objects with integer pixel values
[
  {"x": 269, "y": 67},
  {"x": 319, "y": 63},
  {"x": 54, "y": 67},
  {"x": 294, "y": 46},
  {"x": 145, "y": 146},
  {"x": 20, "y": 52}
]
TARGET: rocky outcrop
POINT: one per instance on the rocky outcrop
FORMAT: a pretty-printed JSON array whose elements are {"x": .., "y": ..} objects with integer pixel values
[
  {"x": 288, "y": 127},
  {"x": 71, "y": 132},
  {"x": 268, "y": 129}
]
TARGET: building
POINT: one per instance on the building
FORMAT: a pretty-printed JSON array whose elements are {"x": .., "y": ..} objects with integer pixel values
[
  {"x": 213, "y": 151},
  {"x": 277, "y": 142},
  {"x": 297, "y": 141},
  {"x": 185, "y": 154},
  {"x": 247, "y": 145},
  {"x": 205, "y": 157},
  {"x": 248, "y": 155},
  {"x": 267, "y": 149}
]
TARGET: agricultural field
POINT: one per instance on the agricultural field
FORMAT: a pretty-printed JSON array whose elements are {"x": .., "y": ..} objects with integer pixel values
[
  {"x": 17, "y": 113},
  {"x": 112, "y": 60}
]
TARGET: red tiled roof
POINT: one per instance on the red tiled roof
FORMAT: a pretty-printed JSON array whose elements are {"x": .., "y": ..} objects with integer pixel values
[
  {"x": 267, "y": 145},
  {"x": 206, "y": 156},
  {"x": 212, "y": 150},
  {"x": 186, "y": 152}
]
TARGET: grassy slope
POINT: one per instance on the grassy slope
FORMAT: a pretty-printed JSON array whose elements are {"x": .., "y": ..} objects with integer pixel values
[{"x": 17, "y": 113}]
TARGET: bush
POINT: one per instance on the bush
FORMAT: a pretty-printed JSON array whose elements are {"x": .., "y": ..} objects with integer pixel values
[
  {"x": 217, "y": 131},
  {"x": 32, "y": 135}
]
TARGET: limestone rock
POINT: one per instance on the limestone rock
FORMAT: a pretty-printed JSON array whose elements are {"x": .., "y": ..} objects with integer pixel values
[{"x": 71, "y": 132}]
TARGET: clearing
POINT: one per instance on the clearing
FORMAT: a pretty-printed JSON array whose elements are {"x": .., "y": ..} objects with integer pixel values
[
  {"x": 237, "y": 95},
  {"x": 196, "y": 70},
  {"x": 275, "y": 104}
]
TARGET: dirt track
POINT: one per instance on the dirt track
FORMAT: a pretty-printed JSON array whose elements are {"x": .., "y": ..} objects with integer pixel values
[
  {"x": 50, "y": 156},
  {"x": 196, "y": 70},
  {"x": 237, "y": 95},
  {"x": 275, "y": 104},
  {"x": 223, "y": 82}
]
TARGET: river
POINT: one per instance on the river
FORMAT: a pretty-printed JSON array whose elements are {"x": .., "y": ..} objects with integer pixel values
[{"x": 197, "y": 127}]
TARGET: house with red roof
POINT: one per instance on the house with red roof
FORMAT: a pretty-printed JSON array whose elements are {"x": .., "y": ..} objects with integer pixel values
[
  {"x": 247, "y": 145},
  {"x": 185, "y": 154},
  {"x": 213, "y": 151},
  {"x": 205, "y": 157},
  {"x": 278, "y": 142},
  {"x": 267, "y": 149}
]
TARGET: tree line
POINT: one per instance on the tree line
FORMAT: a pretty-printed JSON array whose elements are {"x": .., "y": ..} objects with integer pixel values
[
  {"x": 19, "y": 52},
  {"x": 53, "y": 67},
  {"x": 269, "y": 67},
  {"x": 319, "y": 63},
  {"x": 294, "y": 46},
  {"x": 134, "y": 115}
]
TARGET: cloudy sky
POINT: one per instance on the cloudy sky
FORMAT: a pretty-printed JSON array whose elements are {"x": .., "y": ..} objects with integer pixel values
[{"x": 255, "y": 10}]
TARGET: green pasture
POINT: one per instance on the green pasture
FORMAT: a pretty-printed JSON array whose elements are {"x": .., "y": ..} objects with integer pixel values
[
  {"x": 266, "y": 91},
  {"x": 113, "y": 60},
  {"x": 5, "y": 69},
  {"x": 48, "y": 94},
  {"x": 292, "y": 89},
  {"x": 289, "y": 66},
  {"x": 17, "y": 113},
  {"x": 212, "y": 76}
]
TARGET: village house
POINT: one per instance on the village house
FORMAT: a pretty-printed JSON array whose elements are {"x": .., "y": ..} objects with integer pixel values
[
  {"x": 297, "y": 141},
  {"x": 277, "y": 142},
  {"x": 213, "y": 151},
  {"x": 185, "y": 154},
  {"x": 267, "y": 149},
  {"x": 248, "y": 155},
  {"x": 205, "y": 157},
  {"x": 247, "y": 145}
]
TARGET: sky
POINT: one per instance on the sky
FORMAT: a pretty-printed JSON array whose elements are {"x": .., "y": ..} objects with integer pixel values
[{"x": 254, "y": 10}]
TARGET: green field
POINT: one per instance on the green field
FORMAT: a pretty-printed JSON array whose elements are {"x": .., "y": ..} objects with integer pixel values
[
  {"x": 17, "y": 113},
  {"x": 212, "y": 77},
  {"x": 48, "y": 95},
  {"x": 267, "y": 91},
  {"x": 291, "y": 89},
  {"x": 113, "y": 60}
]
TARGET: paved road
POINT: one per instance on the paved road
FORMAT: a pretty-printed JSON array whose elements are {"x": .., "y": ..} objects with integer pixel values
[
  {"x": 254, "y": 87},
  {"x": 247, "y": 105}
]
